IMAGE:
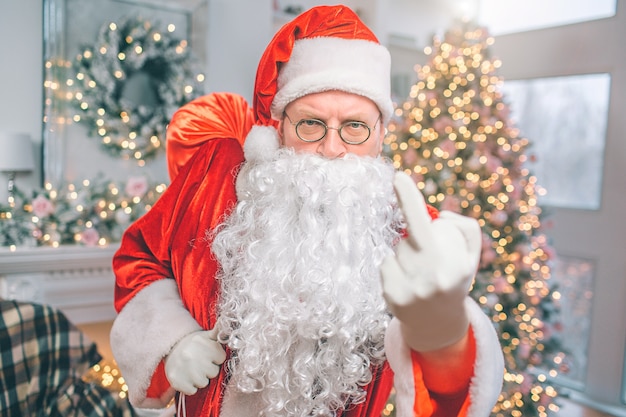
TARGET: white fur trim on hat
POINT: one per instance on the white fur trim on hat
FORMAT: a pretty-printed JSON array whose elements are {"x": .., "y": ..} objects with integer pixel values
[{"x": 321, "y": 64}]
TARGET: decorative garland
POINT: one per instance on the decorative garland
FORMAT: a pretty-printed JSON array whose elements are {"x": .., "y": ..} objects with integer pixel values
[
  {"x": 91, "y": 213},
  {"x": 129, "y": 84}
]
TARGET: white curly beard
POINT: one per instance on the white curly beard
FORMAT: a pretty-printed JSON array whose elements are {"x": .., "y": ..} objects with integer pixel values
[{"x": 301, "y": 306}]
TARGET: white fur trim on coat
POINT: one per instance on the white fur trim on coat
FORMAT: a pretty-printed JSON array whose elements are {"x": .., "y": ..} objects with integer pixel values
[
  {"x": 486, "y": 384},
  {"x": 325, "y": 63},
  {"x": 144, "y": 332}
]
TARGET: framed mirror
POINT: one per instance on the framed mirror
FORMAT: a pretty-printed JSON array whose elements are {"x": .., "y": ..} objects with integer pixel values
[{"x": 104, "y": 57}]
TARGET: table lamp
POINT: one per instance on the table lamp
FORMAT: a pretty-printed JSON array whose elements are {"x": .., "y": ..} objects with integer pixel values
[{"x": 16, "y": 155}]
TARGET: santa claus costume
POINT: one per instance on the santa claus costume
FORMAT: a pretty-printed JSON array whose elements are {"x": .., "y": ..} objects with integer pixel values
[{"x": 281, "y": 252}]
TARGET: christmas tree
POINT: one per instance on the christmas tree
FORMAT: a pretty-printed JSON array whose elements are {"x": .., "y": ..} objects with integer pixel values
[{"x": 454, "y": 137}]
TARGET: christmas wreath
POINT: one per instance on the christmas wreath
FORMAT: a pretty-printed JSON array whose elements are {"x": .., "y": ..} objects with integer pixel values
[{"x": 129, "y": 84}]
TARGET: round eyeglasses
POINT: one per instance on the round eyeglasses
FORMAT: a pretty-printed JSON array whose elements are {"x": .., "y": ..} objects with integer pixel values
[{"x": 314, "y": 130}]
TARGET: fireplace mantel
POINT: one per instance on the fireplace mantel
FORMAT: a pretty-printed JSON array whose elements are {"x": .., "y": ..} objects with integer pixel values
[{"x": 76, "y": 279}]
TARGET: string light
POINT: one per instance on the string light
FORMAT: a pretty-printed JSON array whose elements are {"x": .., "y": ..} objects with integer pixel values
[{"x": 107, "y": 374}]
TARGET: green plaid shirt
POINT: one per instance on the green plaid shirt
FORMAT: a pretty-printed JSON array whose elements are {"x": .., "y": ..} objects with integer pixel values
[{"x": 43, "y": 358}]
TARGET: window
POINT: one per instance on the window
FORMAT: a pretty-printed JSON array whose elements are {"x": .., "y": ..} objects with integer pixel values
[
  {"x": 565, "y": 120},
  {"x": 574, "y": 280},
  {"x": 510, "y": 16}
]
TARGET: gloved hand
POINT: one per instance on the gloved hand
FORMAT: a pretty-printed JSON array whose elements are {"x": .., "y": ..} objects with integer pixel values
[
  {"x": 425, "y": 283},
  {"x": 194, "y": 360}
]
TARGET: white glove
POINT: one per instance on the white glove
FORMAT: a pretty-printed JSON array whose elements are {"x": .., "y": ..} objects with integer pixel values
[
  {"x": 194, "y": 360},
  {"x": 425, "y": 283}
]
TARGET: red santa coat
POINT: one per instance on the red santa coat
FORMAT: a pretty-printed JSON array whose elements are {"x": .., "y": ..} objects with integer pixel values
[{"x": 166, "y": 288}]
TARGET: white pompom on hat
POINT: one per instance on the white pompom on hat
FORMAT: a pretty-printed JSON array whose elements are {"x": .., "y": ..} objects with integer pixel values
[{"x": 325, "y": 48}]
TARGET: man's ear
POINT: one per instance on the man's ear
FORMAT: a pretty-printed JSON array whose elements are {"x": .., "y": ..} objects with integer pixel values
[
  {"x": 382, "y": 134},
  {"x": 280, "y": 130}
]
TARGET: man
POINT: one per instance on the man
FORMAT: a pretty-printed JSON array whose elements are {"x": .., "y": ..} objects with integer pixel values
[{"x": 294, "y": 250}]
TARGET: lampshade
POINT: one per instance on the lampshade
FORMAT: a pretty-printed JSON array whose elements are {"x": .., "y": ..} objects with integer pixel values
[{"x": 16, "y": 152}]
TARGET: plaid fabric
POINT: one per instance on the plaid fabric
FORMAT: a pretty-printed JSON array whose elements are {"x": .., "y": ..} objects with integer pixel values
[{"x": 42, "y": 360}]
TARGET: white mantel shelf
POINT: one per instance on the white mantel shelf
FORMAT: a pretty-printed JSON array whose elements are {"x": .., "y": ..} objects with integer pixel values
[{"x": 78, "y": 280}]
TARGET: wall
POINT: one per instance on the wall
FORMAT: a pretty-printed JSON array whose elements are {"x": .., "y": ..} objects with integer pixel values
[
  {"x": 238, "y": 33},
  {"x": 21, "y": 78},
  {"x": 418, "y": 21}
]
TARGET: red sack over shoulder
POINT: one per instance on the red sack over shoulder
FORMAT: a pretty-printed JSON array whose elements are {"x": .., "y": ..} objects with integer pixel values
[{"x": 215, "y": 115}]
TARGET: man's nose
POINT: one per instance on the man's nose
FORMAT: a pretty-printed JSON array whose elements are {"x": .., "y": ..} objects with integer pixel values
[{"x": 332, "y": 146}]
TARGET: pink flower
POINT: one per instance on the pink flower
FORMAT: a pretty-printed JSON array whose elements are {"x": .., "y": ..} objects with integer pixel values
[
  {"x": 495, "y": 187},
  {"x": 523, "y": 249},
  {"x": 493, "y": 163},
  {"x": 441, "y": 123},
  {"x": 548, "y": 331},
  {"x": 448, "y": 146},
  {"x": 471, "y": 185},
  {"x": 473, "y": 163},
  {"x": 487, "y": 256},
  {"x": 500, "y": 285},
  {"x": 485, "y": 241},
  {"x": 136, "y": 186},
  {"x": 516, "y": 194},
  {"x": 430, "y": 94},
  {"x": 526, "y": 384},
  {"x": 484, "y": 111},
  {"x": 524, "y": 349},
  {"x": 42, "y": 207},
  {"x": 536, "y": 358},
  {"x": 498, "y": 217},
  {"x": 503, "y": 112},
  {"x": 492, "y": 300},
  {"x": 90, "y": 237},
  {"x": 410, "y": 157},
  {"x": 430, "y": 187},
  {"x": 451, "y": 203},
  {"x": 417, "y": 177},
  {"x": 545, "y": 400}
]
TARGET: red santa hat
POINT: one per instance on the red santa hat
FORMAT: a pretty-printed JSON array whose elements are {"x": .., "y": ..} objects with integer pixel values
[{"x": 325, "y": 48}]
